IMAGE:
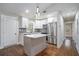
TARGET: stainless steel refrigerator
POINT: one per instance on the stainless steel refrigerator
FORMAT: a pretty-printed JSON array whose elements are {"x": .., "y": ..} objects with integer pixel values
[{"x": 52, "y": 33}]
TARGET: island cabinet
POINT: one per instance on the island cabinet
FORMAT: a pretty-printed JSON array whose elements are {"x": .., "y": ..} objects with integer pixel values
[{"x": 34, "y": 44}]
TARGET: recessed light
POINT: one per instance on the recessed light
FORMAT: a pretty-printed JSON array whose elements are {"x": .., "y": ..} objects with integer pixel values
[{"x": 27, "y": 11}]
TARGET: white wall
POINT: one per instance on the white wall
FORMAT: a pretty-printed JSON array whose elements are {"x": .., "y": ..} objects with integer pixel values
[
  {"x": 0, "y": 31},
  {"x": 60, "y": 31},
  {"x": 9, "y": 30},
  {"x": 76, "y": 31}
]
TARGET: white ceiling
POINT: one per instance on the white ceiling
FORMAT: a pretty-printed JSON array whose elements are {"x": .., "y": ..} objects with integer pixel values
[{"x": 50, "y": 8}]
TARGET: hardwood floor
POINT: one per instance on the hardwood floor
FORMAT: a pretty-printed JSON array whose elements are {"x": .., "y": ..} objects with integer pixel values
[
  {"x": 18, "y": 50},
  {"x": 53, "y": 51}
]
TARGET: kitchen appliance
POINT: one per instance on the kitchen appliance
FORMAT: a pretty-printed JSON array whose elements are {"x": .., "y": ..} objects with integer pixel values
[
  {"x": 44, "y": 30},
  {"x": 52, "y": 37}
]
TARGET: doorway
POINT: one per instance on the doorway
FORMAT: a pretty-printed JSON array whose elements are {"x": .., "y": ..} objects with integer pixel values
[
  {"x": 68, "y": 26},
  {"x": 68, "y": 30}
]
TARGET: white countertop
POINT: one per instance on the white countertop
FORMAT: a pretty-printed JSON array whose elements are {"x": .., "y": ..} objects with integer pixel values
[{"x": 36, "y": 35}]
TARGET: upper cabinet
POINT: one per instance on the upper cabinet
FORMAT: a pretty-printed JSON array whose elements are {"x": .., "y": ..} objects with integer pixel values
[
  {"x": 40, "y": 23},
  {"x": 23, "y": 22}
]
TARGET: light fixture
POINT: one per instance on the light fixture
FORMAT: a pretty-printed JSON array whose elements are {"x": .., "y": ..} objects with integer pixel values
[
  {"x": 37, "y": 9},
  {"x": 37, "y": 15},
  {"x": 27, "y": 11}
]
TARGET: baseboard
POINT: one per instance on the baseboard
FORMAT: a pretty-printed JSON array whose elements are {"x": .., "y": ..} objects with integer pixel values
[
  {"x": 77, "y": 50},
  {"x": 1, "y": 47},
  {"x": 20, "y": 43}
]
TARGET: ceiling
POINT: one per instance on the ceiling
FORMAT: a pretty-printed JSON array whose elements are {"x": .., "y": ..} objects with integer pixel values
[{"x": 66, "y": 9}]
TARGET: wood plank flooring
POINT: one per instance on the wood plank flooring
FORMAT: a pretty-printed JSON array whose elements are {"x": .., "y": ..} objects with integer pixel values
[
  {"x": 18, "y": 50},
  {"x": 53, "y": 51}
]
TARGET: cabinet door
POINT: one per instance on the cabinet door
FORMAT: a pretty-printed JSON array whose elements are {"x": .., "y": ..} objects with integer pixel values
[{"x": 38, "y": 24}]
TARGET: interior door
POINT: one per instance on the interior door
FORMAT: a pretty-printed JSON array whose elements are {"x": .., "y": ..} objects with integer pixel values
[{"x": 11, "y": 32}]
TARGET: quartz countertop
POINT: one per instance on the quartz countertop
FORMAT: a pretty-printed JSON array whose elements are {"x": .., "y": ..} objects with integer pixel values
[{"x": 36, "y": 35}]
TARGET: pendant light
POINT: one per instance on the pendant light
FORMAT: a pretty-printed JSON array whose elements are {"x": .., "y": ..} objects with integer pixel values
[{"x": 37, "y": 12}]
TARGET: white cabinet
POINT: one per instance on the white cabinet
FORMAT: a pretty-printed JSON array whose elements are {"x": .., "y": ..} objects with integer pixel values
[
  {"x": 21, "y": 38},
  {"x": 9, "y": 31},
  {"x": 35, "y": 43},
  {"x": 23, "y": 25},
  {"x": 39, "y": 23},
  {"x": 23, "y": 22}
]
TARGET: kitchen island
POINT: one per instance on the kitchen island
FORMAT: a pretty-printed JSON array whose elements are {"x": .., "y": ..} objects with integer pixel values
[{"x": 34, "y": 43}]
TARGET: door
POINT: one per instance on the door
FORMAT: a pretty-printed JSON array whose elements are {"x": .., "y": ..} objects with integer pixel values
[{"x": 10, "y": 29}]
